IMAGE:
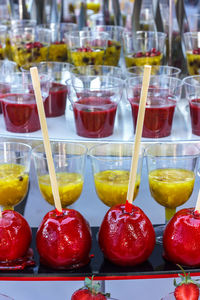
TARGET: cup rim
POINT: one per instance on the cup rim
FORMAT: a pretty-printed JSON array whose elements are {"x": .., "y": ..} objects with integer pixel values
[
  {"x": 28, "y": 147},
  {"x": 103, "y": 159},
  {"x": 36, "y": 153},
  {"x": 130, "y": 34},
  {"x": 191, "y": 77},
  {"x": 128, "y": 84},
  {"x": 176, "y": 70},
  {"x": 164, "y": 156}
]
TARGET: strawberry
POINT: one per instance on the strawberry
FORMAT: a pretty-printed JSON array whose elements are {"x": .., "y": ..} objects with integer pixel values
[
  {"x": 91, "y": 291},
  {"x": 187, "y": 289}
]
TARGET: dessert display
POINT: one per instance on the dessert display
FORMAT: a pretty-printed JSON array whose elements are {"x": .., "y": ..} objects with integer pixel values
[
  {"x": 14, "y": 181},
  {"x": 87, "y": 56},
  {"x": 126, "y": 239},
  {"x": 181, "y": 238},
  {"x": 56, "y": 235},
  {"x": 152, "y": 57},
  {"x": 70, "y": 187},
  {"x": 112, "y": 186},
  {"x": 15, "y": 236},
  {"x": 58, "y": 51}
]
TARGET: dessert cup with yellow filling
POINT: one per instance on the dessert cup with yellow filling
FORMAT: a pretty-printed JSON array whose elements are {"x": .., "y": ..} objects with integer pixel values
[
  {"x": 14, "y": 173},
  {"x": 87, "y": 47},
  {"x": 192, "y": 48},
  {"x": 69, "y": 161},
  {"x": 111, "y": 164},
  {"x": 172, "y": 169},
  {"x": 146, "y": 47}
]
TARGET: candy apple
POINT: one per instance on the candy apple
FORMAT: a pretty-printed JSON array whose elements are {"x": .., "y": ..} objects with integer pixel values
[
  {"x": 126, "y": 238},
  {"x": 91, "y": 291},
  {"x": 181, "y": 239},
  {"x": 15, "y": 236},
  {"x": 64, "y": 239}
]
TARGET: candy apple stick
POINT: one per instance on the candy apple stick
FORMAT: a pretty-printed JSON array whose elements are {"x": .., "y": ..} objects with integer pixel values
[
  {"x": 47, "y": 146},
  {"x": 138, "y": 134},
  {"x": 197, "y": 207}
]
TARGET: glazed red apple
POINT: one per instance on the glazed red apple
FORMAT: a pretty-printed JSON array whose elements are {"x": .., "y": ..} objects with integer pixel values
[
  {"x": 64, "y": 240},
  {"x": 126, "y": 238},
  {"x": 15, "y": 236},
  {"x": 181, "y": 239}
]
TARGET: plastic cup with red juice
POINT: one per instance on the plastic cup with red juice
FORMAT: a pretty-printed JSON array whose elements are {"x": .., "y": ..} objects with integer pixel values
[
  {"x": 55, "y": 103},
  {"x": 19, "y": 104},
  {"x": 192, "y": 89},
  {"x": 163, "y": 94},
  {"x": 94, "y": 100}
]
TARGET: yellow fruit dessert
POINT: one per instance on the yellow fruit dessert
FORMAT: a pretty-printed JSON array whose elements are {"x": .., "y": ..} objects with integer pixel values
[
  {"x": 13, "y": 185},
  {"x": 70, "y": 187},
  {"x": 112, "y": 186},
  {"x": 112, "y": 54},
  {"x": 193, "y": 63},
  {"x": 152, "y": 57},
  {"x": 87, "y": 56},
  {"x": 58, "y": 52},
  {"x": 171, "y": 187}
]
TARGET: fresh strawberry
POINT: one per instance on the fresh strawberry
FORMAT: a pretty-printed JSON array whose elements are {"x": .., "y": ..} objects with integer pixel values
[
  {"x": 187, "y": 289},
  {"x": 91, "y": 291}
]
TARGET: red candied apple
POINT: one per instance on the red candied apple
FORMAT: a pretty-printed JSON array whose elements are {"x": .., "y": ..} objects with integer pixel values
[
  {"x": 181, "y": 239},
  {"x": 126, "y": 238},
  {"x": 64, "y": 239},
  {"x": 15, "y": 236},
  {"x": 91, "y": 291}
]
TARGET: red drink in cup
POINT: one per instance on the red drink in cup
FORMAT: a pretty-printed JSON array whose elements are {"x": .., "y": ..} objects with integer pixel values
[
  {"x": 55, "y": 103},
  {"x": 158, "y": 116},
  {"x": 94, "y": 100},
  {"x": 162, "y": 96},
  {"x": 20, "y": 113},
  {"x": 195, "y": 115},
  {"x": 94, "y": 117}
]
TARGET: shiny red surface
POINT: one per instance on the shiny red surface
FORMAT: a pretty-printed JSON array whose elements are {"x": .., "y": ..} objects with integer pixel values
[
  {"x": 85, "y": 294},
  {"x": 15, "y": 236},
  {"x": 158, "y": 117},
  {"x": 55, "y": 103},
  {"x": 126, "y": 239},
  {"x": 94, "y": 117},
  {"x": 181, "y": 239},
  {"x": 64, "y": 241}
]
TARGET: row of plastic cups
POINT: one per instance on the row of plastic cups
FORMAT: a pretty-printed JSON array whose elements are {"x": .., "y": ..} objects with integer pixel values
[
  {"x": 94, "y": 100},
  {"x": 110, "y": 164}
]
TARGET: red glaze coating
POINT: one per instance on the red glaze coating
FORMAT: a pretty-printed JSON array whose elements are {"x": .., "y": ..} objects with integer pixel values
[
  {"x": 15, "y": 236},
  {"x": 126, "y": 239},
  {"x": 64, "y": 240},
  {"x": 85, "y": 294},
  {"x": 181, "y": 239}
]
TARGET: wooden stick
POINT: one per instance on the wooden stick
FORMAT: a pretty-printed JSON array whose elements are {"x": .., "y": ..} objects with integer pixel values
[
  {"x": 0, "y": 213},
  {"x": 138, "y": 134},
  {"x": 47, "y": 146},
  {"x": 197, "y": 207}
]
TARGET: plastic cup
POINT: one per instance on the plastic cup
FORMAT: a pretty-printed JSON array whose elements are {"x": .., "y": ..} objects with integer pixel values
[
  {"x": 55, "y": 103},
  {"x": 94, "y": 101},
  {"x": 192, "y": 89},
  {"x": 14, "y": 173},
  {"x": 87, "y": 47},
  {"x": 192, "y": 48},
  {"x": 144, "y": 48},
  {"x": 163, "y": 94},
  {"x": 69, "y": 162},
  {"x": 111, "y": 168},
  {"x": 19, "y": 105},
  {"x": 155, "y": 70},
  {"x": 99, "y": 70}
]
